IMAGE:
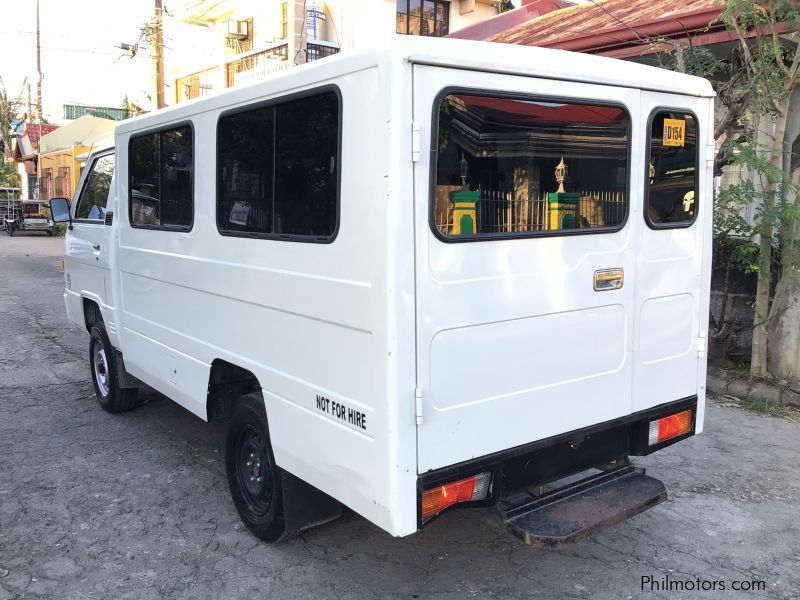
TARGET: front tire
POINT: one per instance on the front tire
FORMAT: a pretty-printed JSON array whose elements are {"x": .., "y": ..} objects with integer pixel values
[
  {"x": 253, "y": 477},
  {"x": 105, "y": 378}
]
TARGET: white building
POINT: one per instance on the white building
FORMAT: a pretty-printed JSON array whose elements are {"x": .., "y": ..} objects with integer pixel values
[{"x": 212, "y": 44}]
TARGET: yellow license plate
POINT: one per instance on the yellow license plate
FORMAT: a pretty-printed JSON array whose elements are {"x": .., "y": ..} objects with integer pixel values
[{"x": 674, "y": 132}]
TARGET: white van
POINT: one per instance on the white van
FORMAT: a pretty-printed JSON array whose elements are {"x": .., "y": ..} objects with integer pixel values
[{"x": 442, "y": 274}]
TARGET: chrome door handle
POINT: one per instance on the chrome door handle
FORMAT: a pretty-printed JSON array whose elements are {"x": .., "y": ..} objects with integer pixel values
[{"x": 608, "y": 279}]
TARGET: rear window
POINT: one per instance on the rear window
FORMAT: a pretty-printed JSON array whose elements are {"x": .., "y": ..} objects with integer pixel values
[
  {"x": 523, "y": 166},
  {"x": 672, "y": 179}
]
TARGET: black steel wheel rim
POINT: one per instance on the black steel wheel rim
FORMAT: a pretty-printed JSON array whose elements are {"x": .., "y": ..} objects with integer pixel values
[{"x": 253, "y": 470}]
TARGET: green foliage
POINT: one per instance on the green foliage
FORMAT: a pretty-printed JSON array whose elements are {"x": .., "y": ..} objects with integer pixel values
[
  {"x": 8, "y": 175},
  {"x": 698, "y": 61}
]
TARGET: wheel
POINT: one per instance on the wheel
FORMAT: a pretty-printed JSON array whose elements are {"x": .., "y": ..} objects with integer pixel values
[
  {"x": 111, "y": 397},
  {"x": 253, "y": 477},
  {"x": 50, "y": 232},
  {"x": 11, "y": 231}
]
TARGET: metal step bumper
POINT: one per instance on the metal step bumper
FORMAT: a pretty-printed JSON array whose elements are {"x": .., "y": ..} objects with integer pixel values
[{"x": 582, "y": 508}]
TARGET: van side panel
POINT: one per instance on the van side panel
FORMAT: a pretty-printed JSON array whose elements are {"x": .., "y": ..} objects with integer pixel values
[{"x": 308, "y": 319}]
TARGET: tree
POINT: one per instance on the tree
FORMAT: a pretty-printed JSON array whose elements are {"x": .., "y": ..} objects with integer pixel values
[
  {"x": 8, "y": 175},
  {"x": 772, "y": 63},
  {"x": 504, "y": 5},
  {"x": 9, "y": 107}
]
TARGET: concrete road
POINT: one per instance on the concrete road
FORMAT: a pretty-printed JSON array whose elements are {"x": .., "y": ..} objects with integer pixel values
[{"x": 136, "y": 506}]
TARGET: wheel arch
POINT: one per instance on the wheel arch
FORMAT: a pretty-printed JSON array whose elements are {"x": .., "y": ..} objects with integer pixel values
[
  {"x": 227, "y": 383},
  {"x": 91, "y": 312}
]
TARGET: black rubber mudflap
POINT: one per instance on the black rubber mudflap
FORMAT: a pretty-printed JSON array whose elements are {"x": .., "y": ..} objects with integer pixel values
[{"x": 580, "y": 509}]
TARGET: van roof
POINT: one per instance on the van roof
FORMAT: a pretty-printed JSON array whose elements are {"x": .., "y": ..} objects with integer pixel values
[{"x": 454, "y": 53}]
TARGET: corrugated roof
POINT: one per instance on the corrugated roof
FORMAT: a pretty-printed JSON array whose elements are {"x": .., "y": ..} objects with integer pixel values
[
  {"x": 86, "y": 131},
  {"x": 598, "y": 17}
]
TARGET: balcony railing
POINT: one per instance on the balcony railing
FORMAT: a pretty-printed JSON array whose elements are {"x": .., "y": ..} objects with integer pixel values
[
  {"x": 316, "y": 51},
  {"x": 256, "y": 65},
  {"x": 251, "y": 66},
  {"x": 196, "y": 84}
]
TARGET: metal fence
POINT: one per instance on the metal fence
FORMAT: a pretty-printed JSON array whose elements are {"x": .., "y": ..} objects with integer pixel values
[{"x": 501, "y": 212}]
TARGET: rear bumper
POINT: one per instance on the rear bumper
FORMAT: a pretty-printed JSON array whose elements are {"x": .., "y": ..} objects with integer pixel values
[{"x": 554, "y": 458}]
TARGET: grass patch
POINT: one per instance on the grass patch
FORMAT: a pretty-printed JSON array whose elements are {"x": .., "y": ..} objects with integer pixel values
[{"x": 762, "y": 407}]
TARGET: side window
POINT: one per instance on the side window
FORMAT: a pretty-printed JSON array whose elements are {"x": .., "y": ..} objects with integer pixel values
[
  {"x": 94, "y": 195},
  {"x": 160, "y": 168},
  {"x": 278, "y": 170},
  {"x": 672, "y": 179},
  {"x": 511, "y": 167}
]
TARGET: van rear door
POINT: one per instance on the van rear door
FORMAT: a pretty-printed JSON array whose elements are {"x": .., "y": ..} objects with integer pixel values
[
  {"x": 669, "y": 332},
  {"x": 525, "y": 259}
]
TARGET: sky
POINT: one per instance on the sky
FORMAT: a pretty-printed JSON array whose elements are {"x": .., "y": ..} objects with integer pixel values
[
  {"x": 81, "y": 59},
  {"x": 82, "y": 62}
]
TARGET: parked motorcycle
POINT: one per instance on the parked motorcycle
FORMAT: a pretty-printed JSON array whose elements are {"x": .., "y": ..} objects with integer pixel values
[{"x": 10, "y": 224}]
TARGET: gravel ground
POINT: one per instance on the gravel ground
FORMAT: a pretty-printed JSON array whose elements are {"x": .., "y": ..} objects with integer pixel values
[{"x": 136, "y": 506}]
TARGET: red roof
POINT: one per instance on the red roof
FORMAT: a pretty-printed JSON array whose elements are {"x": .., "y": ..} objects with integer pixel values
[
  {"x": 604, "y": 26},
  {"x": 35, "y": 131}
]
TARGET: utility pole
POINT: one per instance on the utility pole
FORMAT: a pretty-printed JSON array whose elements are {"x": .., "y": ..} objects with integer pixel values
[
  {"x": 157, "y": 54},
  {"x": 38, "y": 70}
]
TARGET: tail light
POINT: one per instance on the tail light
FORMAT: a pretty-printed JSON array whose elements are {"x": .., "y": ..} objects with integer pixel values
[
  {"x": 437, "y": 499},
  {"x": 669, "y": 427}
]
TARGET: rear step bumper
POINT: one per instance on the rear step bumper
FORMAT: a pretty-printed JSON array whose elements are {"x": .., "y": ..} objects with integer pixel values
[{"x": 582, "y": 508}]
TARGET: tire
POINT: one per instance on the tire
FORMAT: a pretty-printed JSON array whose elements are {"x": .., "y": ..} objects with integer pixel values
[
  {"x": 253, "y": 477},
  {"x": 50, "y": 232},
  {"x": 105, "y": 378}
]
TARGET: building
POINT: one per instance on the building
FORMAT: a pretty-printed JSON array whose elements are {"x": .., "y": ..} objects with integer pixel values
[
  {"x": 26, "y": 150},
  {"x": 215, "y": 44},
  {"x": 63, "y": 153},
  {"x": 76, "y": 111}
]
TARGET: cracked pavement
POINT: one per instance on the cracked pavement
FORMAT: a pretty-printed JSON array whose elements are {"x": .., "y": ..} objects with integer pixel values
[{"x": 94, "y": 505}]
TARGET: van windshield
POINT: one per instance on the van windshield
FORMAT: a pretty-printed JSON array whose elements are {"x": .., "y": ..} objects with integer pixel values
[{"x": 512, "y": 166}]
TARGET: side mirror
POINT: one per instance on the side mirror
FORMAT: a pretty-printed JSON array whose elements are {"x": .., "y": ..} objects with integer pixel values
[{"x": 59, "y": 208}]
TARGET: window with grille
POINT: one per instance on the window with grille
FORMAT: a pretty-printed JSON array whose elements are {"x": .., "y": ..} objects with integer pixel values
[{"x": 423, "y": 17}]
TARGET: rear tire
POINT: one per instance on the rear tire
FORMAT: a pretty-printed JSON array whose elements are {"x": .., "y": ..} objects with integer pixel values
[
  {"x": 253, "y": 477},
  {"x": 105, "y": 378}
]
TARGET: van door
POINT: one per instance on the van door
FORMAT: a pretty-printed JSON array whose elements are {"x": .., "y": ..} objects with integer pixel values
[
  {"x": 525, "y": 259},
  {"x": 668, "y": 327},
  {"x": 89, "y": 241}
]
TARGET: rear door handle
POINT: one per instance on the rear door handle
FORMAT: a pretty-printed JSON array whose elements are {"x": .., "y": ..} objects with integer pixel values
[{"x": 608, "y": 279}]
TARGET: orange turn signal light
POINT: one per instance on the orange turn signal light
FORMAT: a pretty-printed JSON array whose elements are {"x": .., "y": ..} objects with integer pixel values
[
  {"x": 437, "y": 499},
  {"x": 670, "y": 427}
]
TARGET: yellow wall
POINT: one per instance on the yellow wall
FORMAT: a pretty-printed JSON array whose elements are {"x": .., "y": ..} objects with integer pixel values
[{"x": 57, "y": 160}]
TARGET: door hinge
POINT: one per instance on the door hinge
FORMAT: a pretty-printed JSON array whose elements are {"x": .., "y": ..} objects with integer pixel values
[
  {"x": 418, "y": 403},
  {"x": 415, "y": 142},
  {"x": 701, "y": 344}
]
